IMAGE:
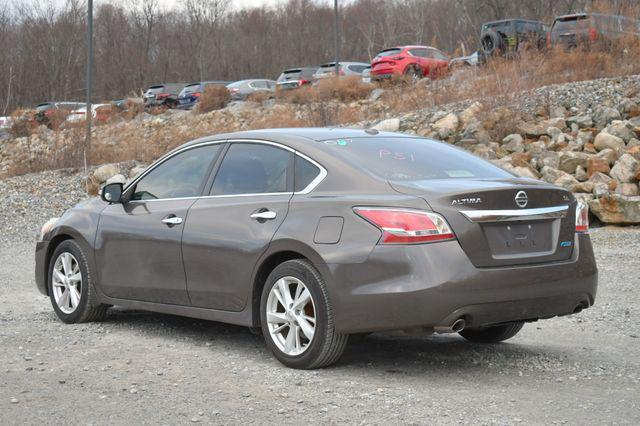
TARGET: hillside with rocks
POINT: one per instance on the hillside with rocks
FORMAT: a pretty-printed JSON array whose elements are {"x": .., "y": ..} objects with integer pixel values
[{"x": 583, "y": 136}]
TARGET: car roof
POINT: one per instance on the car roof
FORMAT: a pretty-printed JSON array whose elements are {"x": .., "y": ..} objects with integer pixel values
[
  {"x": 299, "y": 137},
  {"x": 299, "y": 69},
  {"x": 512, "y": 20}
]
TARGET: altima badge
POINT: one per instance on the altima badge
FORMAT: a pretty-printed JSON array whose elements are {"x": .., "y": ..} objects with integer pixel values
[
  {"x": 476, "y": 200},
  {"x": 522, "y": 199}
]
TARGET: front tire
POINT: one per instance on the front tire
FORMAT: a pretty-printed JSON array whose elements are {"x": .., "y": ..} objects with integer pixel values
[
  {"x": 297, "y": 318},
  {"x": 70, "y": 285},
  {"x": 493, "y": 334}
]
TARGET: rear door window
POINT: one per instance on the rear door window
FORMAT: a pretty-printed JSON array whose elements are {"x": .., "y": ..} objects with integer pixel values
[{"x": 250, "y": 168}]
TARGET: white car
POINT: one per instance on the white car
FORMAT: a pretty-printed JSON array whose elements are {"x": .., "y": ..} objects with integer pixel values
[
  {"x": 80, "y": 114},
  {"x": 5, "y": 122}
]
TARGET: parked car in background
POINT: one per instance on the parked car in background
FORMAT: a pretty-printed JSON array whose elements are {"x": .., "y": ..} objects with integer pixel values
[
  {"x": 165, "y": 94},
  {"x": 5, "y": 122},
  {"x": 344, "y": 69},
  {"x": 54, "y": 113},
  {"x": 472, "y": 60},
  {"x": 588, "y": 28},
  {"x": 366, "y": 75},
  {"x": 295, "y": 77},
  {"x": 99, "y": 113},
  {"x": 316, "y": 234},
  {"x": 414, "y": 62},
  {"x": 242, "y": 89},
  {"x": 508, "y": 36},
  {"x": 190, "y": 94}
]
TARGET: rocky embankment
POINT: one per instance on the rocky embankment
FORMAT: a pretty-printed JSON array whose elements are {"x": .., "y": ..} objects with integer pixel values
[{"x": 584, "y": 136}]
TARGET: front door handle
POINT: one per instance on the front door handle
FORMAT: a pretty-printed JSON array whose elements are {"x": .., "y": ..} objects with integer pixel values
[
  {"x": 172, "y": 220},
  {"x": 263, "y": 215}
]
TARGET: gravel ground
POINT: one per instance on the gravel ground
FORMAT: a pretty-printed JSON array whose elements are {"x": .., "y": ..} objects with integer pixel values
[{"x": 139, "y": 367}]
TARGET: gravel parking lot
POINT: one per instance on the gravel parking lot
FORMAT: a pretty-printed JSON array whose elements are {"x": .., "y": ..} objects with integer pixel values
[{"x": 139, "y": 367}]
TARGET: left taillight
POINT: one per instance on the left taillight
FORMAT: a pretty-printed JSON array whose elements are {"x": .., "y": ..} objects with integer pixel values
[
  {"x": 407, "y": 226},
  {"x": 582, "y": 217}
]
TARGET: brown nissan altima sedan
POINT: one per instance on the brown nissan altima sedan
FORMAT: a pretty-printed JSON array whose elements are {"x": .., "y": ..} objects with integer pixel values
[{"x": 316, "y": 234}]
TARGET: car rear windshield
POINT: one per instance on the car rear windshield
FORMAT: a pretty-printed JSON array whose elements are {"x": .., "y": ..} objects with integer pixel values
[
  {"x": 571, "y": 23},
  {"x": 388, "y": 52},
  {"x": 290, "y": 75},
  {"x": 192, "y": 88},
  {"x": 413, "y": 159}
]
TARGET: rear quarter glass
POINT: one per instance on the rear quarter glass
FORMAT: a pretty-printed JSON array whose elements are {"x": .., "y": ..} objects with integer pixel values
[{"x": 412, "y": 159}]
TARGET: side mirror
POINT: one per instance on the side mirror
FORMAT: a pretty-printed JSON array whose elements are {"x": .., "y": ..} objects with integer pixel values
[{"x": 112, "y": 193}]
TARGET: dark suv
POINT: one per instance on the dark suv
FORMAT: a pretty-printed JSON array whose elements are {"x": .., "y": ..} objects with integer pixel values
[
  {"x": 586, "y": 28},
  {"x": 511, "y": 35}
]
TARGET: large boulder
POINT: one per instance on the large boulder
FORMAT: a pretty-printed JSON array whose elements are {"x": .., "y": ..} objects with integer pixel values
[
  {"x": 569, "y": 160},
  {"x": 606, "y": 140},
  {"x": 388, "y": 125},
  {"x": 104, "y": 172},
  {"x": 119, "y": 178},
  {"x": 605, "y": 115},
  {"x": 446, "y": 126},
  {"x": 582, "y": 121},
  {"x": 625, "y": 169},
  {"x": 596, "y": 164},
  {"x": 513, "y": 143},
  {"x": 549, "y": 174},
  {"x": 609, "y": 155},
  {"x": 616, "y": 208},
  {"x": 566, "y": 181},
  {"x": 469, "y": 114},
  {"x": 532, "y": 129},
  {"x": 630, "y": 189},
  {"x": 621, "y": 129}
]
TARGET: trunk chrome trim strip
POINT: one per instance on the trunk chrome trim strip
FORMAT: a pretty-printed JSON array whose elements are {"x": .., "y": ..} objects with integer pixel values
[{"x": 515, "y": 215}]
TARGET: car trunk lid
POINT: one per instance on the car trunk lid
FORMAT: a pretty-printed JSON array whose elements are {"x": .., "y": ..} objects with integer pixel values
[{"x": 502, "y": 222}]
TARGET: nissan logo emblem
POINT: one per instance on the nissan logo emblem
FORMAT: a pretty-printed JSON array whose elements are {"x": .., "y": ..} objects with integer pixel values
[{"x": 522, "y": 199}]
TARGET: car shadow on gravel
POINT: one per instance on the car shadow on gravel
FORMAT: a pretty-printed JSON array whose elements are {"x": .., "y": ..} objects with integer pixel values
[{"x": 392, "y": 353}]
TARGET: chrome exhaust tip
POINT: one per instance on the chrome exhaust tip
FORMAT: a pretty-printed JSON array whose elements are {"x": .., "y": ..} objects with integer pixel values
[{"x": 457, "y": 326}]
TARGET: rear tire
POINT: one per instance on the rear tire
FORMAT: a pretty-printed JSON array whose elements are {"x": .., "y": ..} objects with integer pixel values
[
  {"x": 493, "y": 334},
  {"x": 311, "y": 316},
  {"x": 70, "y": 285},
  {"x": 413, "y": 74}
]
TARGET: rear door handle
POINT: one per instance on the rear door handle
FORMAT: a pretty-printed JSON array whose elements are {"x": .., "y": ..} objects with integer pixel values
[
  {"x": 172, "y": 220},
  {"x": 264, "y": 215}
]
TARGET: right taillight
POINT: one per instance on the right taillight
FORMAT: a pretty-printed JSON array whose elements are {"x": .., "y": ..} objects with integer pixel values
[
  {"x": 582, "y": 217},
  {"x": 407, "y": 226}
]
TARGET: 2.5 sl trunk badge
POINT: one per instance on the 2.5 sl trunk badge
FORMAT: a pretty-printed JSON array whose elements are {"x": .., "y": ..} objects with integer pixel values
[{"x": 522, "y": 199}]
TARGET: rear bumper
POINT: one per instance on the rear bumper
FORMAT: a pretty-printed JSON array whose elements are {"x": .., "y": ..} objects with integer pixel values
[
  {"x": 428, "y": 285},
  {"x": 40, "y": 269}
]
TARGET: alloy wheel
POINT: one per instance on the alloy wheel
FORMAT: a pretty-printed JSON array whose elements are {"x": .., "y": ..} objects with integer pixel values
[
  {"x": 291, "y": 316},
  {"x": 67, "y": 282}
]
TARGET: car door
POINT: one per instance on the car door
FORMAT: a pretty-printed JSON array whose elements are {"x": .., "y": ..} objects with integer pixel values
[
  {"x": 226, "y": 233},
  {"x": 138, "y": 243}
]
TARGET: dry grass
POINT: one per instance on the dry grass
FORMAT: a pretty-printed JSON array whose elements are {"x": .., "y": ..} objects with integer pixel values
[
  {"x": 260, "y": 96},
  {"x": 213, "y": 98},
  {"x": 343, "y": 89},
  {"x": 22, "y": 123},
  {"x": 502, "y": 80}
]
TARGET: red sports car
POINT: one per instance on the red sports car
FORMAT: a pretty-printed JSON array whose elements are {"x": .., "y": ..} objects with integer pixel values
[{"x": 414, "y": 62}]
